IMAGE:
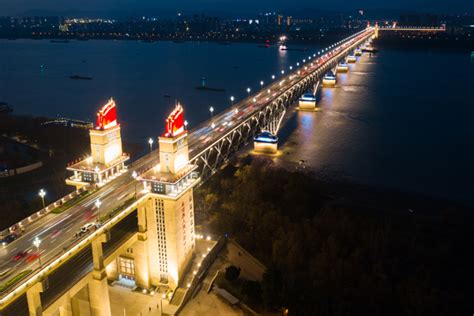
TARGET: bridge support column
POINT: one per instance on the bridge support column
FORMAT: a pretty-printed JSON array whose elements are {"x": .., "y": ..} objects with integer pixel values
[
  {"x": 33, "y": 297},
  {"x": 142, "y": 271},
  {"x": 66, "y": 309},
  {"x": 98, "y": 288}
]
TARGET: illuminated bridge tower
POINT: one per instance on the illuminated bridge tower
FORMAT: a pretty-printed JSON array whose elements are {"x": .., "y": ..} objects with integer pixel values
[
  {"x": 107, "y": 158},
  {"x": 170, "y": 210}
]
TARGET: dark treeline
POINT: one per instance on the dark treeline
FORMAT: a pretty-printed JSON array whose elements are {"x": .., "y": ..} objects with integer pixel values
[{"x": 328, "y": 256}]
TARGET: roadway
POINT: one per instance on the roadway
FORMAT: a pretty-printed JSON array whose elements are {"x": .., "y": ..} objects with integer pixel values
[{"x": 57, "y": 231}]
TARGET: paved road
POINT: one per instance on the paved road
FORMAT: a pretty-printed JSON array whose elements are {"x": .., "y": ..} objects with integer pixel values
[{"x": 57, "y": 231}]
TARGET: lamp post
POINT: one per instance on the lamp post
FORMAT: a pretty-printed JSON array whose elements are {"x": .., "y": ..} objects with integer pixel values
[
  {"x": 134, "y": 176},
  {"x": 42, "y": 194},
  {"x": 150, "y": 142},
  {"x": 37, "y": 243},
  {"x": 211, "y": 109},
  {"x": 261, "y": 83},
  {"x": 97, "y": 204},
  {"x": 248, "y": 91},
  {"x": 232, "y": 100}
]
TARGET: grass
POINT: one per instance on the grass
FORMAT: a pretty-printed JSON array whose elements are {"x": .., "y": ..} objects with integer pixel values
[
  {"x": 71, "y": 202},
  {"x": 14, "y": 280}
]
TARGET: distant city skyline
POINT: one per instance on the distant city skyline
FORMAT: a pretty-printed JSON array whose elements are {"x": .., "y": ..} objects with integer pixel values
[{"x": 226, "y": 6}]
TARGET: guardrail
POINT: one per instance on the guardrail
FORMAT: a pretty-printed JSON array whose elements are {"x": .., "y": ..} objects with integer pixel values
[
  {"x": 201, "y": 273},
  {"x": 21, "y": 225},
  {"x": 66, "y": 253}
]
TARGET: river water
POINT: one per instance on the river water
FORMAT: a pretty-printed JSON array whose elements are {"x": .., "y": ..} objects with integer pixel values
[{"x": 401, "y": 119}]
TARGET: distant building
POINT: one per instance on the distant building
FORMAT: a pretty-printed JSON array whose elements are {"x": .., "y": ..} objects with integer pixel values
[{"x": 279, "y": 19}]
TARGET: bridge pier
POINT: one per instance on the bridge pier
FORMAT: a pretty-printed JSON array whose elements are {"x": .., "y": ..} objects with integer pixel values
[
  {"x": 98, "y": 286},
  {"x": 142, "y": 270},
  {"x": 33, "y": 297}
]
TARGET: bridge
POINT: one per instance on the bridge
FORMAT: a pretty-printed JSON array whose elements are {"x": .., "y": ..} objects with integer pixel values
[
  {"x": 397, "y": 28},
  {"x": 433, "y": 29},
  {"x": 136, "y": 204}
]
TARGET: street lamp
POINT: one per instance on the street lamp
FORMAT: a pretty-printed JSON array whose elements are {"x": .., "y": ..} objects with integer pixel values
[
  {"x": 42, "y": 194},
  {"x": 134, "y": 176},
  {"x": 186, "y": 124},
  {"x": 97, "y": 204},
  {"x": 150, "y": 142},
  {"x": 37, "y": 243},
  {"x": 248, "y": 91},
  {"x": 261, "y": 83},
  {"x": 282, "y": 72},
  {"x": 273, "y": 76},
  {"x": 232, "y": 100},
  {"x": 211, "y": 109}
]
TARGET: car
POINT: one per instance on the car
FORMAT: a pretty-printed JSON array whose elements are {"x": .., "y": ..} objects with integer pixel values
[
  {"x": 32, "y": 257},
  {"x": 87, "y": 227},
  {"x": 8, "y": 239},
  {"x": 20, "y": 255}
]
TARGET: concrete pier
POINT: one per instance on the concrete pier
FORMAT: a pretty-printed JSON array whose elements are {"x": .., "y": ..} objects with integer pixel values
[
  {"x": 307, "y": 102},
  {"x": 266, "y": 142}
]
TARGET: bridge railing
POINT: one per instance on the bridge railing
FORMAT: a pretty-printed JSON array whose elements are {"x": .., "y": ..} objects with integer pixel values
[
  {"x": 21, "y": 225},
  {"x": 64, "y": 255},
  {"x": 224, "y": 142}
]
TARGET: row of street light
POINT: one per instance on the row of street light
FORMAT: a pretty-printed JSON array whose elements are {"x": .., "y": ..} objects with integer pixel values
[
  {"x": 98, "y": 203},
  {"x": 232, "y": 98}
]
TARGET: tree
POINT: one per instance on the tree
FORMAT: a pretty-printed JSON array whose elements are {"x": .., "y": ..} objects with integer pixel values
[{"x": 232, "y": 273}]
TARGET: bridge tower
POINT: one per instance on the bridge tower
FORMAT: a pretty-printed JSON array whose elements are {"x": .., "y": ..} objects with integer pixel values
[
  {"x": 170, "y": 208},
  {"x": 376, "y": 30},
  {"x": 107, "y": 158}
]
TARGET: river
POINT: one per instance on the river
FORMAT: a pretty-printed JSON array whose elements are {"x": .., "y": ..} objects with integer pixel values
[{"x": 401, "y": 119}]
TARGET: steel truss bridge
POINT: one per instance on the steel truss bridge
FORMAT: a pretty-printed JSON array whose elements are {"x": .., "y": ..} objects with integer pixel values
[
  {"x": 211, "y": 144},
  {"x": 269, "y": 106}
]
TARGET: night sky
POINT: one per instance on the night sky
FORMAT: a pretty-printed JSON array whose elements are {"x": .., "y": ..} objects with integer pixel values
[{"x": 235, "y": 6}]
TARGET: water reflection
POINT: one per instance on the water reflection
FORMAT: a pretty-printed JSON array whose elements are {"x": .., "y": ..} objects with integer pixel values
[{"x": 382, "y": 127}]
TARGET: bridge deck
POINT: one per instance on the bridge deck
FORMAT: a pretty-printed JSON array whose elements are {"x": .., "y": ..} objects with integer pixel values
[{"x": 57, "y": 231}]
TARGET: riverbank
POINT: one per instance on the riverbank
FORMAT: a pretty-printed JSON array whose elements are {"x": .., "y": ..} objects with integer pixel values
[
  {"x": 56, "y": 146},
  {"x": 339, "y": 246}
]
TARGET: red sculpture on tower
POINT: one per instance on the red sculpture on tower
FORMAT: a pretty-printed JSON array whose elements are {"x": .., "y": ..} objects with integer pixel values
[
  {"x": 175, "y": 122},
  {"x": 107, "y": 116}
]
